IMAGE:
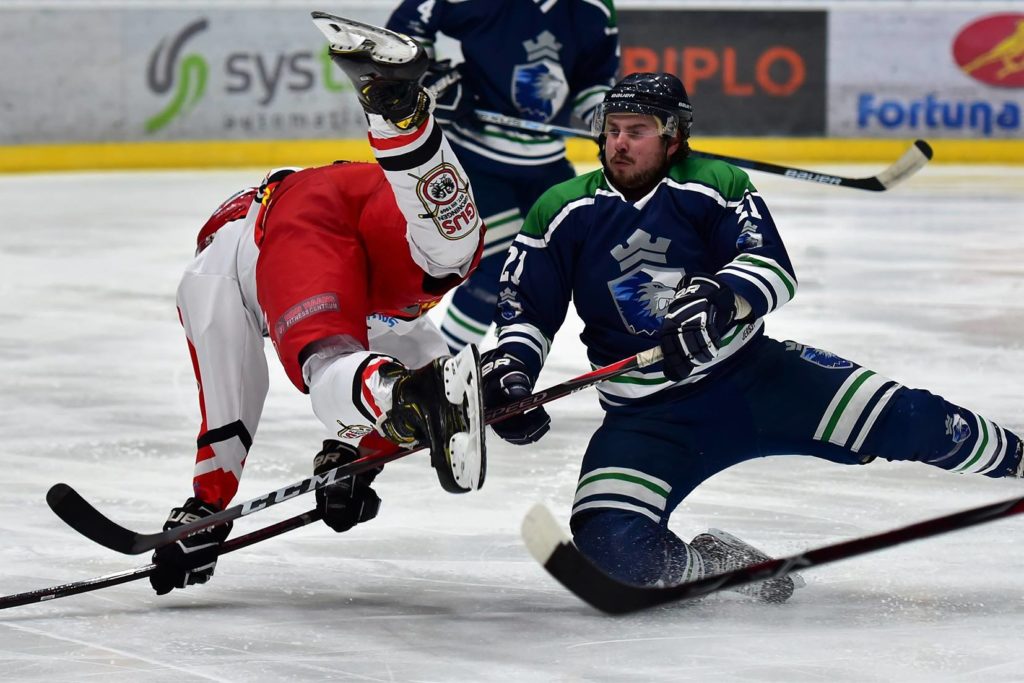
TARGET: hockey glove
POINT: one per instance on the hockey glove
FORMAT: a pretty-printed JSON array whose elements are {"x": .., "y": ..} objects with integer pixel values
[
  {"x": 504, "y": 379},
  {"x": 348, "y": 501},
  {"x": 192, "y": 559},
  {"x": 698, "y": 315},
  {"x": 453, "y": 101}
]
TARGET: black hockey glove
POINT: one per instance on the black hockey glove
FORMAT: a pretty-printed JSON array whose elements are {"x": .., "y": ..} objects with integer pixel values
[
  {"x": 698, "y": 315},
  {"x": 192, "y": 559},
  {"x": 348, "y": 501},
  {"x": 453, "y": 101},
  {"x": 504, "y": 379}
]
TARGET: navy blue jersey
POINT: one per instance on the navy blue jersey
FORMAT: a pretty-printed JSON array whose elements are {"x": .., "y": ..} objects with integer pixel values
[
  {"x": 543, "y": 60},
  {"x": 620, "y": 262}
]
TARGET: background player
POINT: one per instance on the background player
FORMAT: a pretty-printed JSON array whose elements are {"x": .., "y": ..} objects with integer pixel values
[{"x": 547, "y": 62}]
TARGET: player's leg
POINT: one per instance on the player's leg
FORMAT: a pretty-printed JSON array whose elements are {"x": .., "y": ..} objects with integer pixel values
[
  {"x": 636, "y": 471},
  {"x": 225, "y": 343},
  {"x": 847, "y": 413}
]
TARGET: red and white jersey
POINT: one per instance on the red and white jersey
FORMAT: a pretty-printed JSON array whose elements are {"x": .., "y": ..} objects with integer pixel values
[{"x": 335, "y": 264}]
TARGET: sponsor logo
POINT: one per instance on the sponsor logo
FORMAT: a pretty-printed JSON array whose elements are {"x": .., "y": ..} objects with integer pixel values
[
  {"x": 257, "y": 77},
  {"x": 353, "y": 431},
  {"x": 444, "y": 194},
  {"x": 388, "y": 320},
  {"x": 825, "y": 359},
  {"x": 991, "y": 50},
  {"x": 815, "y": 177},
  {"x": 192, "y": 73},
  {"x": 778, "y": 70},
  {"x": 320, "y": 303},
  {"x": 933, "y": 113},
  {"x": 758, "y": 72}
]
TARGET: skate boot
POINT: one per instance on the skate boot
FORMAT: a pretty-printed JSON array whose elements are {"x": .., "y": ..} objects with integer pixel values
[
  {"x": 722, "y": 552},
  {"x": 440, "y": 405},
  {"x": 385, "y": 67}
]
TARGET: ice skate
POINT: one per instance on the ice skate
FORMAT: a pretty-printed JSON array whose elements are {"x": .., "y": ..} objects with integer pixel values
[
  {"x": 724, "y": 552},
  {"x": 440, "y": 405},
  {"x": 385, "y": 67}
]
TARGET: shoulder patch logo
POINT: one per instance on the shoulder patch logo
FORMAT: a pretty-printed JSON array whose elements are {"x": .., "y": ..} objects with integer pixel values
[
  {"x": 445, "y": 196},
  {"x": 825, "y": 359}
]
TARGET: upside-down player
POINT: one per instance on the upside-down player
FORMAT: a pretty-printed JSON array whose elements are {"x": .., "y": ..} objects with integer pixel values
[{"x": 337, "y": 265}]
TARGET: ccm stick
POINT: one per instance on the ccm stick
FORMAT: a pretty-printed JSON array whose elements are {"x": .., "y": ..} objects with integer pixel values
[
  {"x": 549, "y": 545},
  {"x": 81, "y": 516},
  {"x": 912, "y": 161},
  {"x": 88, "y": 585}
]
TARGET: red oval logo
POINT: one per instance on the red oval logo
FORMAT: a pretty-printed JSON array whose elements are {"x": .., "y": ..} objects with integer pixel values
[{"x": 991, "y": 50}]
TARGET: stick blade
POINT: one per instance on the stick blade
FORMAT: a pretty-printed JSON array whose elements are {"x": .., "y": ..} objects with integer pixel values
[
  {"x": 78, "y": 514},
  {"x": 550, "y": 546},
  {"x": 912, "y": 161}
]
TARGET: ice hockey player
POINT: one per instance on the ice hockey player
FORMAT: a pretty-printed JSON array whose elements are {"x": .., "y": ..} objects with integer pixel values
[
  {"x": 548, "y": 62},
  {"x": 336, "y": 265},
  {"x": 659, "y": 248}
]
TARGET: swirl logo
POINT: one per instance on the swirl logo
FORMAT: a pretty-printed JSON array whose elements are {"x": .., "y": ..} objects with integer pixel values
[
  {"x": 191, "y": 82},
  {"x": 991, "y": 50}
]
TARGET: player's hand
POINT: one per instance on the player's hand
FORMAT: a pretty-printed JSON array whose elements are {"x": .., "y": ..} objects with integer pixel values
[
  {"x": 504, "y": 379},
  {"x": 350, "y": 500},
  {"x": 193, "y": 558},
  {"x": 701, "y": 311}
]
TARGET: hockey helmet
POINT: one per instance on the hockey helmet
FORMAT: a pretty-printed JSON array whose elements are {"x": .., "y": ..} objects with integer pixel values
[{"x": 661, "y": 95}]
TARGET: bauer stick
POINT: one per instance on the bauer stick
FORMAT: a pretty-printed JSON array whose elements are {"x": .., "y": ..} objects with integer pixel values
[{"x": 909, "y": 163}]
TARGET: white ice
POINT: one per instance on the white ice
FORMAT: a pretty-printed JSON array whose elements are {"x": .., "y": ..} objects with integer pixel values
[{"x": 923, "y": 283}]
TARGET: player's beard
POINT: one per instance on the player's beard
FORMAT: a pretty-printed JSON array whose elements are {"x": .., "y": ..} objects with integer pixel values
[{"x": 634, "y": 182}]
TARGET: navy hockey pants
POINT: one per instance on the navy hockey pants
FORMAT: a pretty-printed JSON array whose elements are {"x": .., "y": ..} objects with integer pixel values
[
  {"x": 504, "y": 196},
  {"x": 780, "y": 398}
]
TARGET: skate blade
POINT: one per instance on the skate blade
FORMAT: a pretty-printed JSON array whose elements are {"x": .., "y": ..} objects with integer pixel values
[
  {"x": 382, "y": 45},
  {"x": 468, "y": 453}
]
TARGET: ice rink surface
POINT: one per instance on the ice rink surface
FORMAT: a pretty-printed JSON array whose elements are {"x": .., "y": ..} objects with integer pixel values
[{"x": 923, "y": 283}]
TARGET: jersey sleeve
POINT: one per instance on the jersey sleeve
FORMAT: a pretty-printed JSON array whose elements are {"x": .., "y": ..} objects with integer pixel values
[
  {"x": 534, "y": 288},
  {"x": 595, "y": 71},
  {"x": 746, "y": 240}
]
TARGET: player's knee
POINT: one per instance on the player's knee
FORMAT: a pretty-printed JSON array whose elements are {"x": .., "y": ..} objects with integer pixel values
[
  {"x": 921, "y": 426},
  {"x": 626, "y": 545}
]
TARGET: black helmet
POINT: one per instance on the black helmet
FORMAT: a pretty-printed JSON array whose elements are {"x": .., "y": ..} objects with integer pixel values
[{"x": 661, "y": 95}]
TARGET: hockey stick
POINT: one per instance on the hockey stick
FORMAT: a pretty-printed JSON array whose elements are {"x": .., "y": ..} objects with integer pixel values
[
  {"x": 549, "y": 545},
  {"x": 88, "y": 585},
  {"x": 81, "y": 516},
  {"x": 912, "y": 160}
]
